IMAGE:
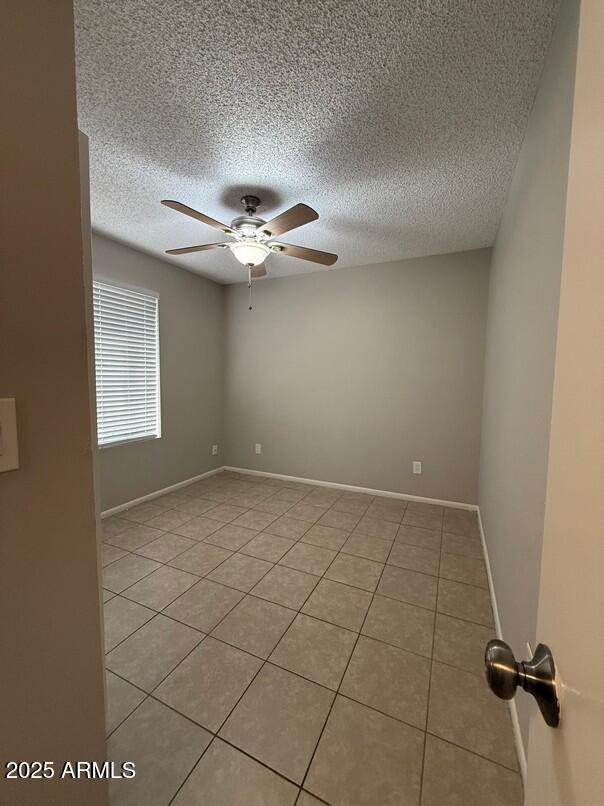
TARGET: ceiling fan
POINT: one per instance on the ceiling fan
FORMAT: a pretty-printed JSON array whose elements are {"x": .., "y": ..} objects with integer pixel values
[{"x": 254, "y": 238}]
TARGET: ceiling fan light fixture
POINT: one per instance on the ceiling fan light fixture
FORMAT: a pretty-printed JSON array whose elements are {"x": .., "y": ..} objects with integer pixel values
[
  {"x": 254, "y": 237},
  {"x": 250, "y": 252}
]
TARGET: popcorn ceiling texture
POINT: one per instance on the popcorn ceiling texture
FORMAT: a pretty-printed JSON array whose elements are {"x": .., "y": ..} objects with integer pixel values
[{"x": 399, "y": 121}]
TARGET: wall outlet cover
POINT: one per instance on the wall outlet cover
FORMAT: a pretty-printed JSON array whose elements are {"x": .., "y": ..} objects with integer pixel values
[
  {"x": 417, "y": 468},
  {"x": 258, "y": 447},
  {"x": 214, "y": 450}
]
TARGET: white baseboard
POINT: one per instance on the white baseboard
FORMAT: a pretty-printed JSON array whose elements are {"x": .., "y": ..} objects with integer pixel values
[
  {"x": 352, "y": 488},
  {"x": 317, "y": 482},
  {"x": 520, "y": 751},
  {"x": 172, "y": 488}
]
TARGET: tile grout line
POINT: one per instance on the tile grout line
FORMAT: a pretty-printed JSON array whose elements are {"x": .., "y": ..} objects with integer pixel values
[
  {"x": 296, "y": 540},
  {"x": 161, "y": 612},
  {"x": 206, "y": 576},
  {"x": 188, "y": 775},
  {"x": 297, "y": 611},
  {"x": 146, "y": 697},
  {"x": 204, "y": 635},
  {"x": 265, "y": 661},
  {"x": 423, "y": 766},
  {"x": 166, "y": 606},
  {"x": 216, "y": 734},
  {"x": 250, "y": 593},
  {"x": 138, "y": 580},
  {"x": 474, "y": 753},
  {"x": 312, "y": 757}
]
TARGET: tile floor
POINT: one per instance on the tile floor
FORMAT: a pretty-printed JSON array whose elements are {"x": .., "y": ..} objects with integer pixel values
[{"x": 272, "y": 643}]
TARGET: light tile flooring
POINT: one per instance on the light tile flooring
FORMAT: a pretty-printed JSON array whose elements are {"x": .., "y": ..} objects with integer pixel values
[{"x": 272, "y": 643}]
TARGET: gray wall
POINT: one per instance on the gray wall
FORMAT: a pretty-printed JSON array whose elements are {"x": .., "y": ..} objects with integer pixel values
[
  {"x": 349, "y": 375},
  {"x": 51, "y": 697},
  {"x": 192, "y": 377},
  {"x": 521, "y": 336}
]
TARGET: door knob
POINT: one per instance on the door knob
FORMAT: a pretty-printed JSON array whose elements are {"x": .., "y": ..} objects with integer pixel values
[{"x": 537, "y": 676}]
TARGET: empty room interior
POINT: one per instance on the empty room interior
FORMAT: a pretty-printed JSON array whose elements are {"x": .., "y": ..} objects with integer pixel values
[{"x": 301, "y": 403}]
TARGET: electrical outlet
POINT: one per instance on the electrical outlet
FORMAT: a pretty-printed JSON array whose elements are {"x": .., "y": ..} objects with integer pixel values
[
  {"x": 417, "y": 468},
  {"x": 214, "y": 450},
  {"x": 258, "y": 447}
]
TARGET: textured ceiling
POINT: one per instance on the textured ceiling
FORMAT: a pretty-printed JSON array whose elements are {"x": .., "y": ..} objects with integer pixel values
[{"x": 399, "y": 121}]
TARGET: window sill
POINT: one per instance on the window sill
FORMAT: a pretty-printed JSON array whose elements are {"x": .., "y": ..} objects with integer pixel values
[{"x": 128, "y": 441}]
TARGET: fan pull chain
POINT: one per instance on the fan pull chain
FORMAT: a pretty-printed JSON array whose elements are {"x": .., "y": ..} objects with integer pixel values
[{"x": 249, "y": 283}]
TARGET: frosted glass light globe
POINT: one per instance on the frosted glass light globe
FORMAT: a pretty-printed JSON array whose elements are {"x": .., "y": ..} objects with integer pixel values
[{"x": 250, "y": 252}]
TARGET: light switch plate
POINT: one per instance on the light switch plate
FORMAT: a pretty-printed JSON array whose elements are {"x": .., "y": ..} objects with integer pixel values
[{"x": 9, "y": 449}]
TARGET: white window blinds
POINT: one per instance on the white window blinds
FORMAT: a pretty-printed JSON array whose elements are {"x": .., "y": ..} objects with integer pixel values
[{"x": 126, "y": 341}]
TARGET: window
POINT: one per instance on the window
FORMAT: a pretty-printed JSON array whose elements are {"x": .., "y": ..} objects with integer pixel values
[{"x": 126, "y": 346}]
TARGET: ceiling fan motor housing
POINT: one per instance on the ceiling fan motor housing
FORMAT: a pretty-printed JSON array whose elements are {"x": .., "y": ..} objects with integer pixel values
[
  {"x": 250, "y": 204},
  {"x": 247, "y": 224}
]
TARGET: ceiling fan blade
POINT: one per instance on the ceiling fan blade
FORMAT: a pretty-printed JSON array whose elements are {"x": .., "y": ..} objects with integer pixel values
[
  {"x": 201, "y": 248},
  {"x": 294, "y": 217},
  {"x": 303, "y": 252},
  {"x": 259, "y": 271},
  {"x": 205, "y": 219}
]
